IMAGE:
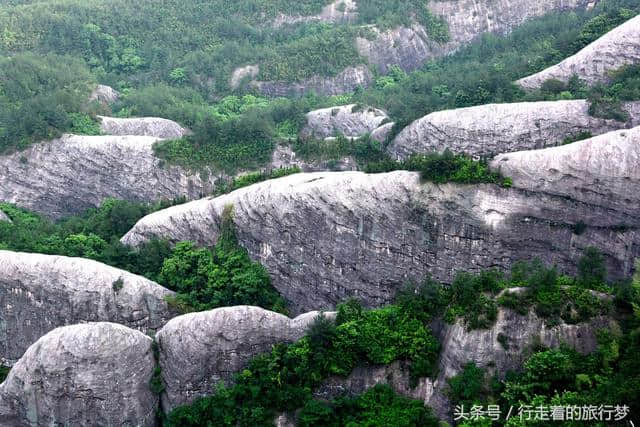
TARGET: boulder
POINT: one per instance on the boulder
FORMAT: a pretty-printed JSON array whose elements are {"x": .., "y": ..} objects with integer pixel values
[
  {"x": 240, "y": 74},
  {"x": 351, "y": 121},
  {"x": 71, "y": 174},
  {"x": 487, "y": 130},
  {"x": 4, "y": 217},
  {"x": 594, "y": 63},
  {"x": 199, "y": 350},
  {"x": 142, "y": 126},
  {"x": 325, "y": 237},
  {"x": 381, "y": 133},
  {"x": 39, "y": 293},
  {"x": 104, "y": 95},
  {"x": 93, "y": 374}
]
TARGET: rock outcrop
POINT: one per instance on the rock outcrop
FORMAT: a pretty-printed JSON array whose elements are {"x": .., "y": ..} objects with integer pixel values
[
  {"x": 241, "y": 74},
  {"x": 325, "y": 237},
  {"x": 487, "y": 130},
  {"x": 380, "y": 134},
  {"x": 594, "y": 63},
  {"x": 346, "y": 120},
  {"x": 284, "y": 157},
  {"x": 602, "y": 170},
  {"x": 142, "y": 126},
  {"x": 346, "y": 81},
  {"x": 411, "y": 47},
  {"x": 199, "y": 350},
  {"x": 104, "y": 95},
  {"x": 39, "y": 293},
  {"x": 71, "y": 174},
  {"x": 460, "y": 346},
  {"x": 92, "y": 374},
  {"x": 4, "y": 217},
  {"x": 340, "y": 11}
]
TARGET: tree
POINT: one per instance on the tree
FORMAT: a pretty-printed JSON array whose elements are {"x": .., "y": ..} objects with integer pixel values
[{"x": 592, "y": 270}]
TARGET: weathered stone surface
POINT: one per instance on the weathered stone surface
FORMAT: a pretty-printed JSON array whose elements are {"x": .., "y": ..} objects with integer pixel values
[
  {"x": 346, "y": 81},
  {"x": 324, "y": 237},
  {"x": 104, "y": 95},
  {"x": 487, "y": 130},
  {"x": 284, "y": 157},
  {"x": 240, "y": 74},
  {"x": 410, "y": 48},
  {"x": 4, "y": 217},
  {"x": 142, "y": 126},
  {"x": 602, "y": 170},
  {"x": 93, "y": 374},
  {"x": 381, "y": 133},
  {"x": 594, "y": 63},
  {"x": 41, "y": 292},
  {"x": 71, "y": 174},
  {"x": 460, "y": 346},
  {"x": 346, "y": 120},
  {"x": 340, "y": 11},
  {"x": 198, "y": 350}
]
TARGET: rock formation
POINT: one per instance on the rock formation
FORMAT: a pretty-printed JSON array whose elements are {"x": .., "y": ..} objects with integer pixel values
[
  {"x": 71, "y": 174},
  {"x": 487, "y": 130},
  {"x": 284, "y": 157},
  {"x": 142, "y": 126},
  {"x": 41, "y": 292},
  {"x": 460, "y": 347},
  {"x": 340, "y": 11},
  {"x": 381, "y": 133},
  {"x": 411, "y": 47},
  {"x": 324, "y": 237},
  {"x": 240, "y": 74},
  {"x": 92, "y": 374},
  {"x": 4, "y": 217},
  {"x": 104, "y": 95},
  {"x": 346, "y": 81},
  {"x": 594, "y": 63},
  {"x": 199, "y": 350},
  {"x": 347, "y": 120}
]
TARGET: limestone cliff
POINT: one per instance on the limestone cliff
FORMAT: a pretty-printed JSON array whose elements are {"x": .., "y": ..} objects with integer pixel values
[
  {"x": 594, "y": 63},
  {"x": 487, "y": 130},
  {"x": 94, "y": 374},
  {"x": 324, "y": 237},
  {"x": 71, "y": 174},
  {"x": 199, "y": 350},
  {"x": 41, "y": 292},
  {"x": 142, "y": 126},
  {"x": 345, "y": 120}
]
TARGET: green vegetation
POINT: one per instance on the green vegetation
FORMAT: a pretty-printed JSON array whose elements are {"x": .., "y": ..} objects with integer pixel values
[{"x": 4, "y": 372}]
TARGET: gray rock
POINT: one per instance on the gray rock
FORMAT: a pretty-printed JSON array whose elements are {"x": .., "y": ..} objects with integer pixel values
[
  {"x": 460, "y": 347},
  {"x": 83, "y": 375},
  {"x": 602, "y": 170},
  {"x": 240, "y": 74},
  {"x": 325, "y": 237},
  {"x": 142, "y": 126},
  {"x": 199, "y": 350},
  {"x": 346, "y": 81},
  {"x": 380, "y": 134},
  {"x": 411, "y": 47},
  {"x": 41, "y": 292},
  {"x": 486, "y": 130},
  {"x": 71, "y": 174},
  {"x": 284, "y": 157},
  {"x": 594, "y": 63},
  {"x": 104, "y": 95},
  {"x": 340, "y": 11},
  {"x": 346, "y": 120},
  {"x": 4, "y": 217}
]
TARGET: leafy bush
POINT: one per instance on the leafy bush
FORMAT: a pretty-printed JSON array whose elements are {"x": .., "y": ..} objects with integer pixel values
[
  {"x": 467, "y": 386},
  {"x": 4, "y": 372}
]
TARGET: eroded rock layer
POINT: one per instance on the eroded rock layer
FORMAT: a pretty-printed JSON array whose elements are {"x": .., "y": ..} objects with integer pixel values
[
  {"x": 142, "y": 126},
  {"x": 39, "y": 293},
  {"x": 345, "y": 120}
]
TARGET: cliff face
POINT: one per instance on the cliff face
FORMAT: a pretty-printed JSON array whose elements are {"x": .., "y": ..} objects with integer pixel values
[
  {"x": 41, "y": 292},
  {"x": 92, "y": 374},
  {"x": 199, "y": 350},
  {"x": 594, "y": 63},
  {"x": 71, "y": 174},
  {"x": 324, "y": 237},
  {"x": 487, "y": 130}
]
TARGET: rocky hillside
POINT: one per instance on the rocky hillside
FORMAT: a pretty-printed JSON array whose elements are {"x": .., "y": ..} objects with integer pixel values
[
  {"x": 39, "y": 293},
  {"x": 594, "y": 63},
  {"x": 487, "y": 130},
  {"x": 315, "y": 233}
]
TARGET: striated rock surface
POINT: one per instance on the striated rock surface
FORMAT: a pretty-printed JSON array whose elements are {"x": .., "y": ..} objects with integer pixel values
[
  {"x": 594, "y": 63},
  {"x": 4, "y": 217},
  {"x": 346, "y": 81},
  {"x": 104, "y": 95},
  {"x": 602, "y": 170},
  {"x": 92, "y": 374},
  {"x": 71, "y": 174},
  {"x": 41, "y": 292},
  {"x": 410, "y": 48},
  {"x": 347, "y": 120},
  {"x": 460, "y": 346},
  {"x": 381, "y": 133},
  {"x": 324, "y": 237},
  {"x": 487, "y": 130},
  {"x": 199, "y": 350},
  {"x": 340, "y": 11},
  {"x": 142, "y": 126}
]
